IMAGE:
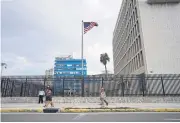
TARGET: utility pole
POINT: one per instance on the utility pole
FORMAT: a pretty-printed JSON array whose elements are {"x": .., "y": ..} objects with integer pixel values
[{"x": 3, "y": 65}]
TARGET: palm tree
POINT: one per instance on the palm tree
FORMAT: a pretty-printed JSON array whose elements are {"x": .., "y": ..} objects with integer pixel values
[{"x": 104, "y": 58}]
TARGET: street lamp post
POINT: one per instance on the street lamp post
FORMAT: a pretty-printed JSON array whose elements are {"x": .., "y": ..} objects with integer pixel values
[{"x": 3, "y": 65}]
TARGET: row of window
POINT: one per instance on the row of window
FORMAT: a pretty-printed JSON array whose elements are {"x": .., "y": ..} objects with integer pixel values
[
  {"x": 64, "y": 69},
  {"x": 126, "y": 49},
  {"x": 120, "y": 19},
  {"x": 76, "y": 72},
  {"x": 128, "y": 23},
  {"x": 131, "y": 51},
  {"x": 134, "y": 64},
  {"x": 70, "y": 65},
  {"x": 128, "y": 42},
  {"x": 127, "y": 13},
  {"x": 128, "y": 35}
]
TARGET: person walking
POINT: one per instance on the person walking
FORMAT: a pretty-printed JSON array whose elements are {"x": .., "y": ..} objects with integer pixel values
[
  {"x": 41, "y": 95},
  {"x": 49, "y": 97},
  {"x": 102, "y": 97}
]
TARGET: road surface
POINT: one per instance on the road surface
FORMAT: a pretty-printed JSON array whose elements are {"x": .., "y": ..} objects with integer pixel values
[{"x": 91, "y": 117}]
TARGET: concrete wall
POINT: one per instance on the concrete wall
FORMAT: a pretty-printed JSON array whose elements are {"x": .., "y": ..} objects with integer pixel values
[
  {"x": 160, "y": 24},
  {"x": 94, "y": 100}
]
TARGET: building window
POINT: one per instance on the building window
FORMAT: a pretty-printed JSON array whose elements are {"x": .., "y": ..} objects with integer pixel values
[
  {"x": 136, "y": 12},
  {"x": 130, "y": 7},
  {"x": 130, "y": 53},
  {"x": 133, "y": 65},
  {"x": 134, "y": 2},
  {"x": 137, "y": 44},
  {"x": 132, "y": 34},
  {"x": 139, "y": 39},
  {"x": 133, "y": 18},
  {"x": 138, "y": 27},
  {"x": 128, "y": 41},
  {"x": 135, "y": 31},
  {"x": 131, "y": 37},
  {"x": 136, "y": 63},
  {"x": 142, "y": 60},
  {"x": 134, "y": 49},
  {"x": 130, "y": 67},
  {"x": 131, "y": 22},
  {"x": 139, "y": 59}
]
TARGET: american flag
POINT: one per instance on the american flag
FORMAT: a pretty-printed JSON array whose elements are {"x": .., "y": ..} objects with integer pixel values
[{"x": 89, "y": 25}]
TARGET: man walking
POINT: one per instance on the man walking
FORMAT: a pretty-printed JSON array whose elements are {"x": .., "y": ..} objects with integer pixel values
[
  {"x": 41, "y": 95},
  {"x": 102, "y": 97}
]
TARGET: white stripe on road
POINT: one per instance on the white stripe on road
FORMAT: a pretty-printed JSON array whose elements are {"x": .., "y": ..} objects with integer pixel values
[{"x": 79, "y": 116}]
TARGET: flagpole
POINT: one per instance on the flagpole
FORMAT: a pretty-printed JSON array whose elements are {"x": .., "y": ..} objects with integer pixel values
[{"x": 82, "y": 47}]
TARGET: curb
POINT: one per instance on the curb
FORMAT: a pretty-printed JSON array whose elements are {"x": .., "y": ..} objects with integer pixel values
[
  {"x": 13, "y": 110},
  {"x": 84, "y": 110}
]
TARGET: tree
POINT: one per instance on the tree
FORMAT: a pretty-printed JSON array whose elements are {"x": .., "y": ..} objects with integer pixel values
[
  {"x": 104, "y": 58},
  {"x": 3, "y": 65}
]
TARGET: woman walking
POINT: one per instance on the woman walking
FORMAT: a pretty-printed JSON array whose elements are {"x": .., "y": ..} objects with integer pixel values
[{"x": 49, "y": 97}]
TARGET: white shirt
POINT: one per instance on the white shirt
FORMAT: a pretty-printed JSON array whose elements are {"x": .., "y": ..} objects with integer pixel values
[
  {"x": 41, "y": 93},
  {"x": 103, "y": 95}
]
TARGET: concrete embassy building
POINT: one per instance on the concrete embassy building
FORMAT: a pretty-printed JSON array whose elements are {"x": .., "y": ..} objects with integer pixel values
[{"x": 146, "y": 37}]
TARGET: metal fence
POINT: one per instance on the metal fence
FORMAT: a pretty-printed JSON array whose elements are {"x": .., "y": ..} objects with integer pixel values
[
  {"x": 125, "y": 85},
  {"x": 20, "y": 86}
]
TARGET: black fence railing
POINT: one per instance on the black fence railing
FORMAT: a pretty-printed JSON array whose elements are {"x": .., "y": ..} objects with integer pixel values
[{"x": 125, "y": 85}]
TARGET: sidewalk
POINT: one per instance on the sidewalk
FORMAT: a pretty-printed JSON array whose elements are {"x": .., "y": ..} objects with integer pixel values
[{"x": 92, "y": 105}]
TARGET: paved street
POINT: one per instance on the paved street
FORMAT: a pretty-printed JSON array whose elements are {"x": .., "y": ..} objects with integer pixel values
[{"x": 91, "y": 117}]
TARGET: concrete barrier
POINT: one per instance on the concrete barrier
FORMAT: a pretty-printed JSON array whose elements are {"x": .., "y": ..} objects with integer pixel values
[
  {"x": 94, "y": 99},
  {"x": 13, "y": 110},
  {"x": 84, "y": 110}
]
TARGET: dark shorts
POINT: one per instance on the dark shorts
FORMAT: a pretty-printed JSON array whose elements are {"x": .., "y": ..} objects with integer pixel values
[{"x": 48, "y": 98}]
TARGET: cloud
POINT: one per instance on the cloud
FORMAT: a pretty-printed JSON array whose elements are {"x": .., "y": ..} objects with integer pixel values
[
  {"x": 34, "y": 32},
  {"x": 16, "y": 64}
]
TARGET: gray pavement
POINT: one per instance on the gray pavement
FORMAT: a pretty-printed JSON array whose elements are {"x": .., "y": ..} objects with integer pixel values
[
  {"x": 91, "y": 117},
  {"x": 93, "y": 105},
  {"x": 131, "y": 99}
]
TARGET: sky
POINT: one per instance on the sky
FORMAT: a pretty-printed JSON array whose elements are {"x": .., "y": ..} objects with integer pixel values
[{"x": 34, "y": 32}]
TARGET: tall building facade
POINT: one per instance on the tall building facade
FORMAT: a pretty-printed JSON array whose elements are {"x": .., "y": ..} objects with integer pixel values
[
  {"x": 68, "y": 67},
  {"x": 146, "y": 37}
]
